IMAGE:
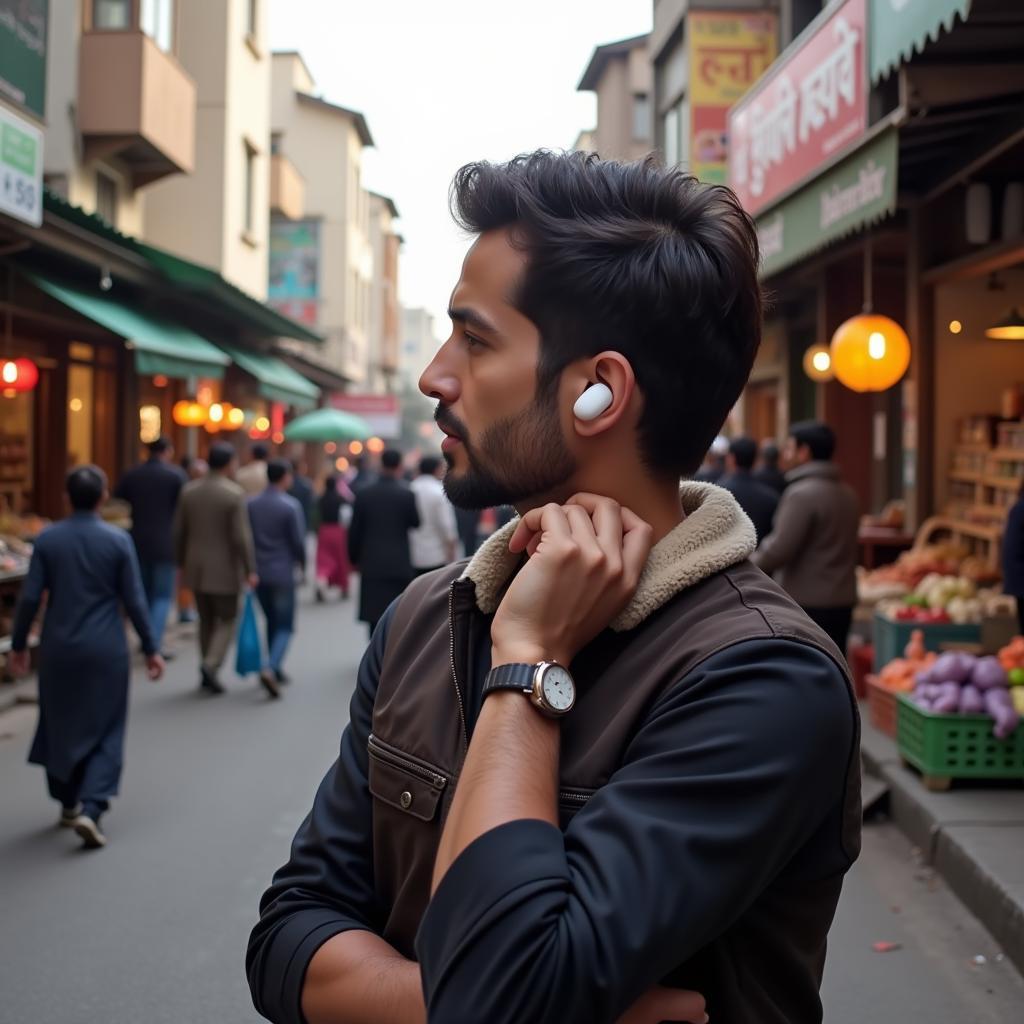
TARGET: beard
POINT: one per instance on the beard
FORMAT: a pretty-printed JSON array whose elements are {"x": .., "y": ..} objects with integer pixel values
[{"x": 518, "y": 458}]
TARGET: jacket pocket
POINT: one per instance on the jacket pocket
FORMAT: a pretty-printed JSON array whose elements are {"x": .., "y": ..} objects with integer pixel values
[
  {"x": 570, "y": 802},
  {"x": 407, "y": 783}
]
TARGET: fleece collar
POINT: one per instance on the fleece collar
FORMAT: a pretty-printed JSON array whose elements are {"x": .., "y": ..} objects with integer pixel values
[{"x": 715, "y": 534}]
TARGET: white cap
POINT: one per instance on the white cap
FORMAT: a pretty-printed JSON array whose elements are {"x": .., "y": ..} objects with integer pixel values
[{"x": 720, "y": 446}]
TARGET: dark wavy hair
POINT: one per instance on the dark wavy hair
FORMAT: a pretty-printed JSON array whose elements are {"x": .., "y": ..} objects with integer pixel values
[{"x": 639, "y": 259}]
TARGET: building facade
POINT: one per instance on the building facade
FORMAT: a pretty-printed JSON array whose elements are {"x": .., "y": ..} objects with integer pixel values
[{"x": 385, "y": 311}]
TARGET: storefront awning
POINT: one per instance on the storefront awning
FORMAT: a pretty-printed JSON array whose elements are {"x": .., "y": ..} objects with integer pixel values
[
  {"x": 277, "y": 381},
  {"x": 899, "y": 29},
  {"x": 859, "y": 190},
  {"x": 161, "y": 347}
]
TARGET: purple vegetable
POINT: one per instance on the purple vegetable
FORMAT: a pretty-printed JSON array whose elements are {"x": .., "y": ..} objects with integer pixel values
[
  {"x": 948, "y": 699},
  {"x": 971, "y": 700},
  {"x": 1000, "y": 706},
  {"x": 988, "y": 673},
  {"x": 922, "y": 701},
  {"x": 955, "y": 666},
  {"x": 926, "y": 676}
]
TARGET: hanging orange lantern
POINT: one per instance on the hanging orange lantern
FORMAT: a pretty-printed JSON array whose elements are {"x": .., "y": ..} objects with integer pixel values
[
  {"x": 18, "y": 375},
  {"x": 870, "y": 352},
  {"x": 818, "y": 363},
  {"x": 188, "y": 414}
]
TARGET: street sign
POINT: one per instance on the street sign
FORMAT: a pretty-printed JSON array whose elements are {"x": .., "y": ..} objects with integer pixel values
[{"x": 21, "y": 169}]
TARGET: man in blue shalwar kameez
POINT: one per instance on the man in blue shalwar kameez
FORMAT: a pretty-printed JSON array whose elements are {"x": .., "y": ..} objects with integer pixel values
[{"x": 89, "y": 570}]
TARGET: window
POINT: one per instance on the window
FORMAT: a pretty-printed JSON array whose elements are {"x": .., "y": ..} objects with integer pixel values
[
  {"x": 252, "y": 18},
  {"x": 158, "y": 22},
  {"x": 276, "y": 141},
  {"x": 676, "y": 129},
  {"x": 249, "y": 213},
  {"x": 641, "y": 117},
  {"x": 112, "y": 14},
  {"x": 106, "y": 198}
]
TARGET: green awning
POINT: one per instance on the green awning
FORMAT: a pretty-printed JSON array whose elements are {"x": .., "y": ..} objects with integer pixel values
[
  {"x": 859, "y": 190},
  {"x": 899, "y": 28},
  {"x": 160, "y": 346},
  {"x": 277, "y": 380}
]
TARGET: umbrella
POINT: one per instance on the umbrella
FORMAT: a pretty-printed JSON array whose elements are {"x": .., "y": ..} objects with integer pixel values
[{"x": 327, "y": 425}]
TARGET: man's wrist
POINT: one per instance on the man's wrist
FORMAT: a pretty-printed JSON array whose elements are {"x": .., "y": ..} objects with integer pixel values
[{"x": 522, "y": 653}]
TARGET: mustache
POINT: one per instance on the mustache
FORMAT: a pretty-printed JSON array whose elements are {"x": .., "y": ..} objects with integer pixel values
[{"x": 449, "y": 422}]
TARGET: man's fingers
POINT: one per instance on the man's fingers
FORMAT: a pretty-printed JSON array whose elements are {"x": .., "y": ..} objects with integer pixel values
[
  {"x": 680, "y": 1005},
  {"x": 548, "y": 519},
  {"x": 583, "y": 534}
]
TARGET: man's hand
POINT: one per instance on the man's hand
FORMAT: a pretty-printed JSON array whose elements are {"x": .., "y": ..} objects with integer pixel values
[
  {"x": 18, "y": 663},
  {"x": 154, "y": 666},
  {"x": 661, "y": 1004},
  {"x": 253, "y": 580},
  {"x": 585, "y": 562}
]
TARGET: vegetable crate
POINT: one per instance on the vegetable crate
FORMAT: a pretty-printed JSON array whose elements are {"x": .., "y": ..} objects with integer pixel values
[
  {"x": 947, "y": 747},
  {"x": 881, "y": 707},
  {"x": 891, "y": 637}
]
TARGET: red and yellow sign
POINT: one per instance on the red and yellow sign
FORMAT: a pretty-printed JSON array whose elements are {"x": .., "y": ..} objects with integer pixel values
[{"x": 729, "y": 50}]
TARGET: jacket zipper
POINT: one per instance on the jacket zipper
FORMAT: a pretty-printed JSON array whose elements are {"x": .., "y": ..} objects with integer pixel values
[
  {"x": 407, "y": 763},
  {"x": 451, "y": 656},
  {"x": 574, "y": 796}
]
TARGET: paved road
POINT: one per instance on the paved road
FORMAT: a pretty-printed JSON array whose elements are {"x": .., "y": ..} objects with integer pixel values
[{"x": 153, "y": 928}]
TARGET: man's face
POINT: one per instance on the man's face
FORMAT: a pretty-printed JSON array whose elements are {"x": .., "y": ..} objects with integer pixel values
[
  {"x": 506, "y": 444},
  {"x": 794, "y": 455}
]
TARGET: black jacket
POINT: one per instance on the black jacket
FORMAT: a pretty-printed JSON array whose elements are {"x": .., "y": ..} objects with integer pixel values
[
  {"x": 152, "y": 489},
  {"x": 378, "y": 538},
  {"x": 1013, "y": 551},
  {"x": 757, "y": 500}
]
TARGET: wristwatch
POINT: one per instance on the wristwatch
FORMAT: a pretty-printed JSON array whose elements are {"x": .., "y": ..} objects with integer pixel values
[{"x": 549, "y": 686}]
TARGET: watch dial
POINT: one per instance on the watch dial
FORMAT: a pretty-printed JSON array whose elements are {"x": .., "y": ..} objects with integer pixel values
[{"x": 559, "y": 689}]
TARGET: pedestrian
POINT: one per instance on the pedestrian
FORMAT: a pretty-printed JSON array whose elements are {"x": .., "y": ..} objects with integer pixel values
[
  {"x": 88, "y": 570},
  {"x": 767, "y": 471},
  {"x": 332, "y": 565},
  {"x": 434, "y": 542},
  {"x": 195, "y": 469},
  {"x": 378, "y": 539},
  {"x": 252, "y": 477},
  {"x": 1013, "y": 555},
  {"x": 468, "y": 520},
  {"x": 757, "y": 500},
  {"x": 302, "y": 491},
  {"x": 712, "y": 469},
  {"x": 279, "y": 538},
  {"x": 363, "y": 476},
  {"x": 152, "y": 489},
  {"x": 213, "y": 544},
  {"x": 812, "y": 548},
  {"x": 505, "y": 846}
]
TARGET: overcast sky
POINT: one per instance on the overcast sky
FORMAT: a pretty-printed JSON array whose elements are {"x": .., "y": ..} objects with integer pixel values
[{"x": 443, "y": 82}]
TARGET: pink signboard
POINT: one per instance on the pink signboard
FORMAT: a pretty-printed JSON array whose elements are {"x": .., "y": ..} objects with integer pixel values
[{"x": 808, "y": 109}]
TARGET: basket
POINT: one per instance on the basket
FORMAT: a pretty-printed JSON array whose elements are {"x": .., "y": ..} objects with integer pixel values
[
  {"x": 890, "y": 638},
  {"x": 947, "y": 747},
  {"x": 881, "y": 707}
]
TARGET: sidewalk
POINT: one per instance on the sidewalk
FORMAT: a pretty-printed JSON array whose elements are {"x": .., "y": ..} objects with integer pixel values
[{"x": 972, "y": 835}]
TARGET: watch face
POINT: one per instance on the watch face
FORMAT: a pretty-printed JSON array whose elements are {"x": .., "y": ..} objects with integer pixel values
[{"x": 558, "y": 688}]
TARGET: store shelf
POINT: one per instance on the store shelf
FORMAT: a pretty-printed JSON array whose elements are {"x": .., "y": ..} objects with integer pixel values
[
  {"x": 973, "y": 448},
  {"x": 1008, "y": 454},
  {"x": 997, "y": 512},
  {"x": 964, "y": 477},
  {"x": 1004, "y": 483}
]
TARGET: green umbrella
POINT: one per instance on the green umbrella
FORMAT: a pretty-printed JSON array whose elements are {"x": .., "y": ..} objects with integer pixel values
[{"x": 327, "y": 425}]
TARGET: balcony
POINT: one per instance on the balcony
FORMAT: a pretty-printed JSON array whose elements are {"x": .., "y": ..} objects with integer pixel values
[
  {"x": 287, "y": 189},
  {"x": 137, "y": 104}
]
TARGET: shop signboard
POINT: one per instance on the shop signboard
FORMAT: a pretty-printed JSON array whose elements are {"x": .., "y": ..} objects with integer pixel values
[
  {"x": 899, "y": 27},
  {"x": 857, "y": 191},
  {"x": 729, "y": 51},
  {"x": 294, "y": 275},
  {"x": 807, "y": 111},
  {"x": 382, "y": 412},
  {"x": 23, "y": 53},
  {"x": 21, "y": 169}
]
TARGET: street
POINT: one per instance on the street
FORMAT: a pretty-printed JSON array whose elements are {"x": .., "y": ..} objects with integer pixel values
[{"x": 154, "y": 927}]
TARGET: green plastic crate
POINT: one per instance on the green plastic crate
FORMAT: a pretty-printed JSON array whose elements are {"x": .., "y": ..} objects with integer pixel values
[
  {"x": 944, "y": 747},
  {"x": 890, "y": 638}
]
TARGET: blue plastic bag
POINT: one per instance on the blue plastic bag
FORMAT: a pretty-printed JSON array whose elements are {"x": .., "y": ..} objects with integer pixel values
[{"x": 249, "y": 653}]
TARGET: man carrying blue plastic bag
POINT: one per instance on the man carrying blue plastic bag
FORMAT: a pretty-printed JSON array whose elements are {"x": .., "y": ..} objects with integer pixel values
[{"x": 277, "y": 531}]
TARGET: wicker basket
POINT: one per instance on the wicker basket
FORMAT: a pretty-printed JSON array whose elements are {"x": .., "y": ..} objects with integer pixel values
[
  {"x": 947, "y": 747},
  {"x": 881, "y": 706}
]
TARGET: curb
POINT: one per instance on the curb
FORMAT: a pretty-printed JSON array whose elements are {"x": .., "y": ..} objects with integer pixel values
[{"x": 971, "y": 837}]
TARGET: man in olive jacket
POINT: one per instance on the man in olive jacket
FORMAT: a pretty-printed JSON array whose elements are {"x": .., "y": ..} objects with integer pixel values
[{"x": 812, "y": 549}]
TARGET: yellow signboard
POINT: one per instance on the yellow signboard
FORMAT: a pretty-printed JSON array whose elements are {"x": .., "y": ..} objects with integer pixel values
[{"x": 728, "y": 51}]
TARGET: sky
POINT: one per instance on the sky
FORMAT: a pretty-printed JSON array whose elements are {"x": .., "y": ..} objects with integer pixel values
[{"x": 444, "y": 82}]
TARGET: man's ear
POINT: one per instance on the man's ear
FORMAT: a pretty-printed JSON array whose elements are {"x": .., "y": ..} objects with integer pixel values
[{"x": 613, "y": 370}]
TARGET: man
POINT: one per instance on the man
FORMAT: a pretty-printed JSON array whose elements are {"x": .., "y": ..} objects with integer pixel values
[
  {"x": 152, "y": 489},
  {"x": 712, "y": 469},
  {"x": 468, "y": 520},
  {"x": 252, "y": 477},
  {"x": 378, "y": 538},
  {"x": 363, "y": 476},
  {"x": 433, "y": 543},
  {"x": 758, "y": 501},
  {"x": 213, "y": 544},
  {"x": 509, "y": 846},
  {"x": 88, "y": 571},
  {"x": 280, "y": 541},
  {"x": 812, "y": 549},
  {"x": 768, "y": 472},
  {"x": 301, "y": 490}
]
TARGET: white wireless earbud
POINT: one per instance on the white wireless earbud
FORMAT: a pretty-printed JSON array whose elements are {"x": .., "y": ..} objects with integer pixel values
[{"x": 594, "y": 401}]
